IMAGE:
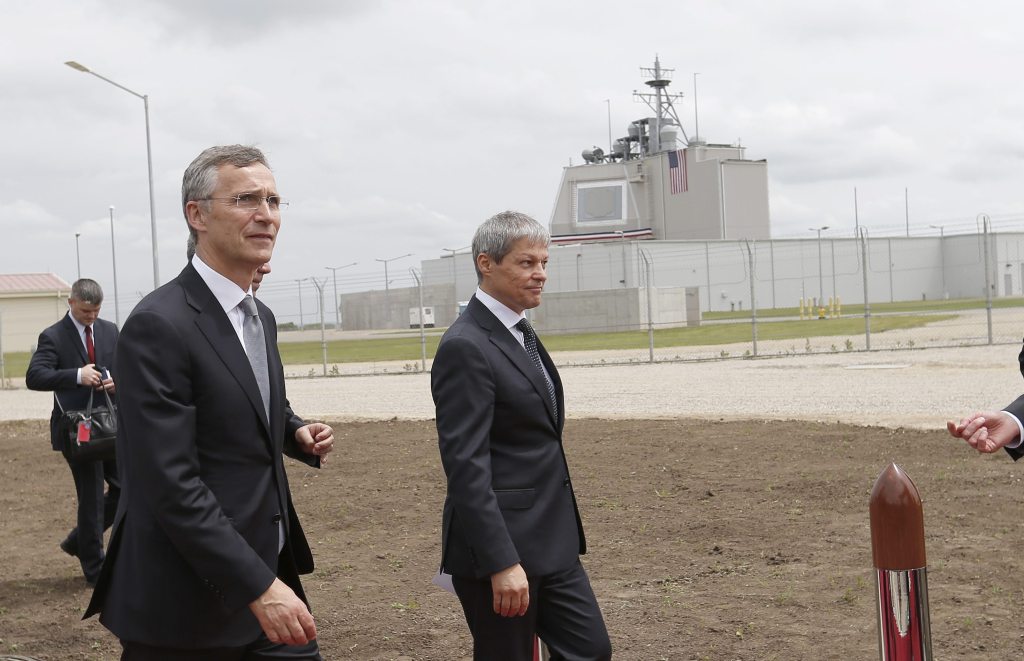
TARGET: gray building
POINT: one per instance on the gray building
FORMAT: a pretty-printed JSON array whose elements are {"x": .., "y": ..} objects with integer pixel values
[{"x": 658, "y": 183}]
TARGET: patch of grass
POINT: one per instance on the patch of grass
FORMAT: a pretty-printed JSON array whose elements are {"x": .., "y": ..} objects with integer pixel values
[
  {"x": 15, "y": 364},
  {"x": 951, "y": 305},
  {"x": 408, "y": 348}
]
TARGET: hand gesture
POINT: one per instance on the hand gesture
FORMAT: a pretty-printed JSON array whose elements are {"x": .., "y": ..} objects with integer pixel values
[
  {"x": 93, "y": 378},
  {"x": 316, "y": 439},
  {"x": 986, "y": 431}
]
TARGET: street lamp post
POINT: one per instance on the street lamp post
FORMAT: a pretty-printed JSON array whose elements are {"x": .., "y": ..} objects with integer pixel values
[
  {"x": 149, "y": 160},
  {"x": 78, "y": 255},
  {"x": 113, "y": 258},
  {"x": 821, "y": 279},
  {"x": 390, "y": 259},
  {"x": 334, "y": 272},
  {"x": 942, "y": 257}
]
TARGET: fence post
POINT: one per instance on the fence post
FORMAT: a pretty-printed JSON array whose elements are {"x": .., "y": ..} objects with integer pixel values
[
  {"x": 423, "y": 335},
  {"x": 650, "y": 320},
  {"x": 753, "y": 296},
  {"x": 988, "y": 275},
  {"x": 864, "y": 272},
  {"x": 323, "y": 339}
]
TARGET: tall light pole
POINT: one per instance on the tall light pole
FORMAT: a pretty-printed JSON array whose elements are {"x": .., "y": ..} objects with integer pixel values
[
  {"x": 149, "y": 160},
  {"x": 390, "y": 259},
  {"x": 821, "y": 280},
  {"x": 113, "y": 258},
  {"x": 942, "y": 256},
  {"x": 78, "y": 255},
  {"x": 609, "y": 103},
  {"x": 696, "y": 122},
  {"x": 334, "y": 272}
]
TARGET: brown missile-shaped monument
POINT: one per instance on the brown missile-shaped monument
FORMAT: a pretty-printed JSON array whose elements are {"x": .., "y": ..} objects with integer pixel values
[{"x": 897, "y": 547}]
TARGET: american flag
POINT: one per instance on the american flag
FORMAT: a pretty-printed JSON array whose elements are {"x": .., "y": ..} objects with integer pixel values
[{"x": 677, "y": 171}]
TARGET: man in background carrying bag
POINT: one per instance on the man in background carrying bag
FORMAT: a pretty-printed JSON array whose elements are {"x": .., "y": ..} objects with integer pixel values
[{"x": 67, "y": 361}]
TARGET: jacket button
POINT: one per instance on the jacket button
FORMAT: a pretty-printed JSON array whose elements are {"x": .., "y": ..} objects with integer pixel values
[
  {"x": 566, "y": 482},
  {"x": 276, "y": 518}
]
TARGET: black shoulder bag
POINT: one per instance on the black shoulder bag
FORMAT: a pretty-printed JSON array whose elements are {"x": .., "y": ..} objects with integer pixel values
[{"x": 89, "y": 435}]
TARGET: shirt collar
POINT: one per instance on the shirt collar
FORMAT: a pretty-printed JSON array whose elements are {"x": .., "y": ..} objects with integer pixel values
[
  {"x": 227, "y": 293},
  {"x": 80, "y": 326},
  {"x": 505, "y": 314}
]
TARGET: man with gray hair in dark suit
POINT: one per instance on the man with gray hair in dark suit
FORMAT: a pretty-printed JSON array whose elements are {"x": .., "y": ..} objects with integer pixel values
[
  {"x": 206, "y": 552},
  {"x": 511, "y": 531}
]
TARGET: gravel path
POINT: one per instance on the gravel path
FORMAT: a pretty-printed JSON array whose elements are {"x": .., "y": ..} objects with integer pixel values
[{"x": 916, "y": 388}]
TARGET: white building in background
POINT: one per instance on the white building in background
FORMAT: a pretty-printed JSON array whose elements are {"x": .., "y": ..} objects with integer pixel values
[
  {"x": 29, "y": 302},
  {"x": 685, "y": 224},
  {"x": 657, "y": 183},
  {"x": 785, "y": 271}
]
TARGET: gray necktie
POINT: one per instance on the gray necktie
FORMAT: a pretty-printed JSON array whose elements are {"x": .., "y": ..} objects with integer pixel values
[
  {"x": 256, "y": 349},
  {"x": 530, "y": 342}
]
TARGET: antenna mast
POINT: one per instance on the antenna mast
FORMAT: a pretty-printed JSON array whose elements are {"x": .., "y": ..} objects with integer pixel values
[{"x": 660, "y": 102}]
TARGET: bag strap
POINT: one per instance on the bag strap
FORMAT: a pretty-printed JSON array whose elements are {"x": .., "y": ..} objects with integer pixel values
[
  {"x": 88, "y": 409},
  {"x": 110, "y": 403}
]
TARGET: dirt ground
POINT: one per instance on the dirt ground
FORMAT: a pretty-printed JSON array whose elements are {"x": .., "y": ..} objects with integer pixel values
[{"x": 708, "y": 540}]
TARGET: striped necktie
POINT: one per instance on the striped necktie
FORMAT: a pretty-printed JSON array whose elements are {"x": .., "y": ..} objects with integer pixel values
[{"x": 530, "y": 342}]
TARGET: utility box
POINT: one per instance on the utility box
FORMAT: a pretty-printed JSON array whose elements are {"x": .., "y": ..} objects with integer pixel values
[{"x": 428, "y": 317}]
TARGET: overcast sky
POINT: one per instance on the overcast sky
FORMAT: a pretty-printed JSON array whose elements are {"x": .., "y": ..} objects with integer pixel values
[{"x": 397, "y": 126}]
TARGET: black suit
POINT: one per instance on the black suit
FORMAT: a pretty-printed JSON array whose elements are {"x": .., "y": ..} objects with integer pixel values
[
  {"x": 510, "y": 499},
  {"x": 196, "y": 536},
  {"x": 54, "y": 366}
]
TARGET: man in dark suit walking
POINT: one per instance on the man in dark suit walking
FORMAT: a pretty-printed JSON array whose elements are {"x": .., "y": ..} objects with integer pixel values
[
  {"x": 511, "y": 530},
  {"x": 68, "y": 360},
  {"x": 206, "y": 552}
]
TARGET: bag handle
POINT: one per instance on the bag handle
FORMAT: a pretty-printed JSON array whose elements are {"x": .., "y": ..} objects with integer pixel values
[{"x": 88, "y": 409}]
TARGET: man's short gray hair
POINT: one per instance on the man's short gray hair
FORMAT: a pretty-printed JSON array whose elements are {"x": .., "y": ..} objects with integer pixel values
[
  {"x": 200, "y": 177},
  {"x": 87, "y": 291},
  {"x": 496, "y": 236}
]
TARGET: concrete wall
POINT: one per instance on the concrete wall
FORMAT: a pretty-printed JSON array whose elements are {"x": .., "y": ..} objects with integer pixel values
[
  {"x": 379, "y": 309},
  {"x": 785, "y": 270},
  {"x": 610, "y": 310}
]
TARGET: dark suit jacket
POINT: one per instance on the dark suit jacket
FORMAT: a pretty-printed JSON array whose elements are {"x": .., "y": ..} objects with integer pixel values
[
  {"x": 195, "y": 539},
  {"x": 54, "y": 366},
  {"x": 1017, "y": 408},
  {"x": 510, "y": 499}
]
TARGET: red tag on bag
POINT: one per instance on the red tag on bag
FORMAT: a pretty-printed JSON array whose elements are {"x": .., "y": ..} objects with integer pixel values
[{"x": 84, "y": 431}]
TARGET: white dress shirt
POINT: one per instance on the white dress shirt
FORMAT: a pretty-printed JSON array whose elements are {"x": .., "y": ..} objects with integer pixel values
[
  {"x": 227, "y": 293},
  {"x": 509, "y": 318},
  {"x": 81, "y": 336}
]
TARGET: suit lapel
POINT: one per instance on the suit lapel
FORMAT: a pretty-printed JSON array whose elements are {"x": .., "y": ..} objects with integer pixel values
[
  {"x": 214, "y": 324},
  {"x": 502, "y": 338},
  {"x": 74, "y": 338}
]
